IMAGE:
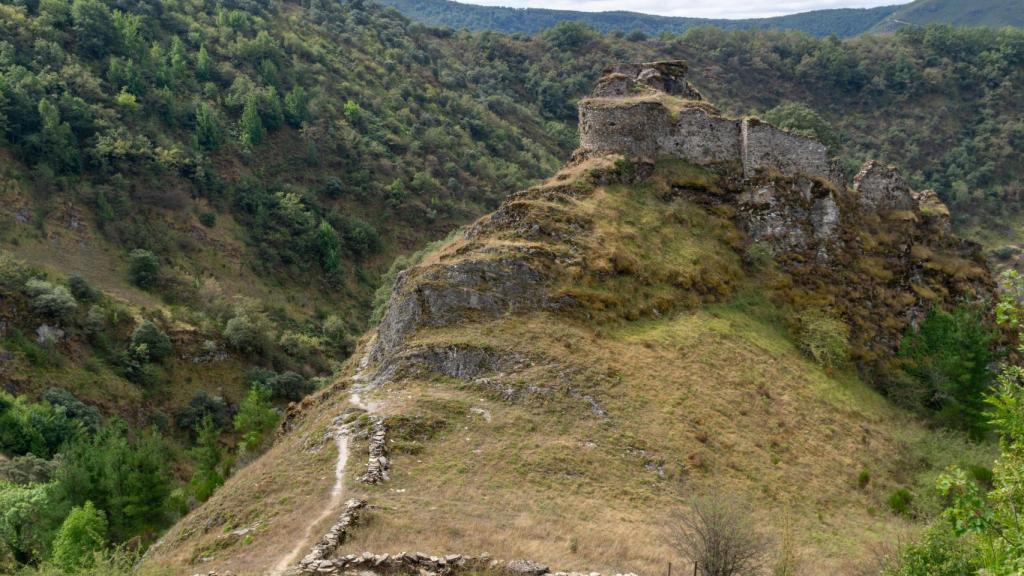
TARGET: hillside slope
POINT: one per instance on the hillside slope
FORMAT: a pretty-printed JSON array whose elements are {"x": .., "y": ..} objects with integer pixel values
[
  {"x": 993, "y": 13},
  {"x": 553, "y": 384},
  {"x": 460, "y": 15}
]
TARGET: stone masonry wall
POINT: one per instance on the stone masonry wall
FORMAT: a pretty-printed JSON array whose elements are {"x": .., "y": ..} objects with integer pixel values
[{"x": 643, "y": 126}]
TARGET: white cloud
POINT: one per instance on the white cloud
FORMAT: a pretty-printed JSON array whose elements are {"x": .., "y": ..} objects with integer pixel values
[{"x": 694, "y": 8}]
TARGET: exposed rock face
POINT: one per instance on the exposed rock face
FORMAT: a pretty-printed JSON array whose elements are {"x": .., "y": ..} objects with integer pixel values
[{"x": 448, "y": 293}]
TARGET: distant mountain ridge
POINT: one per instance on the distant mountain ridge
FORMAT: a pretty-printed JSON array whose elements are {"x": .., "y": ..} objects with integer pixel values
[{"x": 841, "y": 22}]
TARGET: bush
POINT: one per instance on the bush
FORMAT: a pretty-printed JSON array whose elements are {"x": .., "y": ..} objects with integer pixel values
[
  {"x": 81, "y": 536},
  {"x": 824, "y": 338},
  {"x": 718, "y": 536},
  {"x": 208, "y": 219},
  {"x": 150, "y": 343},
  {"x": 81, "y": 289},
  {"x": 863, "y": 479},
  {"x": 90, "y": 416},
  {"x": 33, "y": 428},
  {"x": 290, "y": 386},
  {"x": 900, "y": 501},
  {"x": 143, "y": 268},
  {"x": 13, "y": 273},
  {"x": 51, "y": 301},
  {"x": 938, "y": 553},
  {"x": 27, "y": 469},
  {"x": 202, "y": 406},
  {"x": 299, "y": 346},
  {"x": 249, "y": 333}
]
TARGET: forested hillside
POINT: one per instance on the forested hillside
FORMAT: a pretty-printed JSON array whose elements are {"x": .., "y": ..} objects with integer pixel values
[
  {"x": 461, "y": 15},
  {"x": 198, "y": 200},
  {"x": 993, "y": 13}
]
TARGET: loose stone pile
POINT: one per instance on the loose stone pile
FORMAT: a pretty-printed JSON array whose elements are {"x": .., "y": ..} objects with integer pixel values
[
  {"x": 424, "y": 565},
  {"x": 325, "y": 547},
  {"x": 378, "y": 465}
]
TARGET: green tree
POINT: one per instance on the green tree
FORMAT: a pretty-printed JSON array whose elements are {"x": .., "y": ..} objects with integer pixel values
[
  {"x": 81, "y": 536},
  {"x": 54, "y": 144},
  {"x": 208, "y": 130},
  {"x": 28, "y": 517},
  {"x": 151, "y": 342},
  {"x": 256, "y": 417},
  {"x": 328, "y": 246},
  {"x": 803, "y": 121},
  {"x": 250, "y": 125},
  {"x": 949, "y": 356},
  {"x": 204, "y": 65},
  {"x": 126, "y": 477},
  {"x": 208, "y": 458},
  {"x": 143, "y": 268},
  {"x": 51, "y": 300},
  {"x": 95, "y": 33},
  {"x": 296, "y": 106}
]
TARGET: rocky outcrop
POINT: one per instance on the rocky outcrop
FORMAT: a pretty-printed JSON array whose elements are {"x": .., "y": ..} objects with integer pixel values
[{"x": 445, "y": 294}]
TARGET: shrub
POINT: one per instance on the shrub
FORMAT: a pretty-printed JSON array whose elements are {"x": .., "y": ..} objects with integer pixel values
[
  {"x": 81, "y": 289},
  {"x": 290, "y": 386},
  {"x": 143, "y": 268},
  {"x": 150, "y": 343},
  {"x": 900, "y": 501},
  {"x": 249, "y": 332},
  {"x": 51, "y": 301},
  {"x": 81, "y": 536},
  {"x": 204, "y": 405},
  {"x": 208, "y": 219},
  {"x": 938, "y": 553},
  {"x": 13, "y": 273},
  {"x": 824, "y": 338},
  {"x": 863, "y": 479},
  {"x": 27, "y": 469},
  {"x": 299, "y": 346},
  {"x": 718, "y": 536},
  {"x": 90, "y": 416}
]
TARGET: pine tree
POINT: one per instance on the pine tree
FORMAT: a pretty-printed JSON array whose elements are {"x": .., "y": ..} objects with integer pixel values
[
  {"x": 296, "y": 106},
  {"x": 208, "y": 457},
  {"x": 204, "y": 65},
  {"x": 208, "y": 131},
  {"x": 250, "y": 125}
]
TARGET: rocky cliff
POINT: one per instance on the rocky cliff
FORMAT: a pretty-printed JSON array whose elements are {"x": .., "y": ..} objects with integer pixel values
[{"x": 553, "y": 382}]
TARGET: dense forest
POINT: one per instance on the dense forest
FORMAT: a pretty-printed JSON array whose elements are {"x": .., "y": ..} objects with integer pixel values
[
  {"x": 250, "y": 169},
  {"x": 844, "y": 23}
]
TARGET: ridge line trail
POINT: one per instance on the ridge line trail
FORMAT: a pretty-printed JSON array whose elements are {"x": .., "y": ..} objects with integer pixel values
[{"x": 342, "y": 439}]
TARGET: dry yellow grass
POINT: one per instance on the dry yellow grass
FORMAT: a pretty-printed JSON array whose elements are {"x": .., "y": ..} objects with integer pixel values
[{"x": 676, "y": 374}]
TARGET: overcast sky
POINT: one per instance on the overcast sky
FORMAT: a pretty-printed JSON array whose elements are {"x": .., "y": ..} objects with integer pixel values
[{"x": 696, "y": 8}]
